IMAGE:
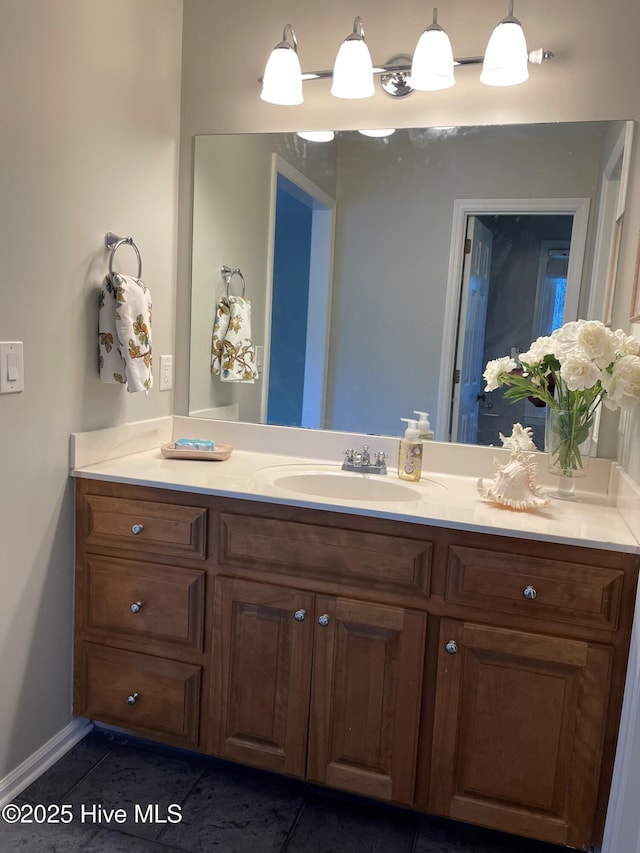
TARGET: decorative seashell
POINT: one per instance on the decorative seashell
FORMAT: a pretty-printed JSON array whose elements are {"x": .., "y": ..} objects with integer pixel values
[
  {"x": 515, "y": 485},
  {"x": 520, "y": 438}
]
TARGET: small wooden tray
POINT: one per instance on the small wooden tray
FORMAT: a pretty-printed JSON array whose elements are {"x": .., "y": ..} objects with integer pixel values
[{"x": 221, "y": 452}]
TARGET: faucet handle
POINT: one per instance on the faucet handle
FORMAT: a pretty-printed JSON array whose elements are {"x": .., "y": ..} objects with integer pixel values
[
  {"x": 380, "y": 456},
  {"x": 348, "y": 454}
]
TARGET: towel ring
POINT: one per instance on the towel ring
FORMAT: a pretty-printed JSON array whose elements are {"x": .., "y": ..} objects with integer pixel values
[
  {"x": 113, "y": 242},
  {"x": 227, "y": 274}
]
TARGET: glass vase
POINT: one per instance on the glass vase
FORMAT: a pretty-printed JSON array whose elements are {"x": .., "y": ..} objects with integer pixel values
[{"x": 568, "y": 440}]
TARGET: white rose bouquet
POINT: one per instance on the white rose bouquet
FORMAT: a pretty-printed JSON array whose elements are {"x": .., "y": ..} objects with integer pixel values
[{"x": 572, "y": 371}]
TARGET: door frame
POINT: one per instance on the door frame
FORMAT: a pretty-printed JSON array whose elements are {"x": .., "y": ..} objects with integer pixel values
[
  {"x": 611, "y": 207},
  {"x": 462, "y": 209},
  {"x": 320, "y": 280}
]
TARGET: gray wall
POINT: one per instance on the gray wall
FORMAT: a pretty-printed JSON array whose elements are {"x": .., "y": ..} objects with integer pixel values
[
  {"x": 90, "y": 96},
  {"x": 394, "y": 221}
]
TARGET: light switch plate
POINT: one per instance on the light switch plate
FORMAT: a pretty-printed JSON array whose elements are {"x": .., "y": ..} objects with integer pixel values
[
  {"x": 11, "y": 367},
  {"x": 166, "y": 372}
]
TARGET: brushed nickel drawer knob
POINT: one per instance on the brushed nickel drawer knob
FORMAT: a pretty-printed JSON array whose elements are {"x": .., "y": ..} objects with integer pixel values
[
  {"x": 529, "y": 592},
  {"x": 136, "y": 607},
  {"x": 137, "y": 529},
  {"x": 131, "y": 700},
  {"x": 451, "y": 647},
  {"x": 324, "y": 620},
  {"x": 299, "y": 615}
]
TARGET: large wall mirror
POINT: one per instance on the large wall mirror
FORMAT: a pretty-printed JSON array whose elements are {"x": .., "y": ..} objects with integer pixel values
[{"x": 361, "y": 258}]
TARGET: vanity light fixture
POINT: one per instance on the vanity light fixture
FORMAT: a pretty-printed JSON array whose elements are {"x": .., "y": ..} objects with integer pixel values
[{"x": 432, "y": 67}]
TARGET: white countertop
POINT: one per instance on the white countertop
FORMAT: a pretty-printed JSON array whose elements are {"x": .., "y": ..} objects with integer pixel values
[{"x": 442, "y": 499}]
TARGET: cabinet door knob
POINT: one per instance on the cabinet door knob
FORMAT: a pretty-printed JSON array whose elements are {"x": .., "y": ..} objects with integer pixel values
[
  {"x": 131, "y": 700},
  {"x": 137, "y": 529},
  {"x": 136, "y": 606},
  {"x": 451, "y": 647},
  {"x": 324, "y": 620},
  {"x": 299, "y": 615},
  {"x": 529, "y": 592}
]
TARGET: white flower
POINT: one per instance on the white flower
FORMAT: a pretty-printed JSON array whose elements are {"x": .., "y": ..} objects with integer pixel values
[
  {"x": 597, "y": 342},
  {"x": 565, "y": 339},
  {"x": 537, "y": 351},
  {"x": 623, "y": 385},
  {"x": 495, "y": 368},
  {"x": 625, "y": 344},
  {"x": 578, "y": 371}
]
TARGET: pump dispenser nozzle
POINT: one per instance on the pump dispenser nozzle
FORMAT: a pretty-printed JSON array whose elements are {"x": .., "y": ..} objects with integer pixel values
[
  {"x": 412, "y": 431},
  {"x": 424, "y": 427}
]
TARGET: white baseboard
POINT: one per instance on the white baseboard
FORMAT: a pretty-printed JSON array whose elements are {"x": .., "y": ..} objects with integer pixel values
[{"x": 34, "y": 766}]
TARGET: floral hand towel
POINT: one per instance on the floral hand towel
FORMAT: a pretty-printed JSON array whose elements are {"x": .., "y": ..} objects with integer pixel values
[
  {"x": 124, "y": 333},
  {"x": 233, "y": 356}
]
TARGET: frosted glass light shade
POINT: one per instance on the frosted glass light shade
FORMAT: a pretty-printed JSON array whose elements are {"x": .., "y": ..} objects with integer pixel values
[
  {"x": 432, "y": 66},
  {"x": 282, "y": 78},
  {"x": 353, "y": 71},
  {"x": 506, "y": 57}
]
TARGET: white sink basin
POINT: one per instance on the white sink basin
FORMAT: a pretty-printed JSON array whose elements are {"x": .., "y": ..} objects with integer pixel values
[
  {"x": 340, "y": 485},
  {"x": 356, "y": 487}
]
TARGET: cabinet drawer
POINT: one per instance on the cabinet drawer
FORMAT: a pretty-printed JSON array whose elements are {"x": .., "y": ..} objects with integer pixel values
[
  {"x": 141, "y": 692},
  {"x": 534, "y": 587},
  {"x": 355, "y": 557},
  {"x": 145, "y": 601},
  {"x": 145, "y": 526}
]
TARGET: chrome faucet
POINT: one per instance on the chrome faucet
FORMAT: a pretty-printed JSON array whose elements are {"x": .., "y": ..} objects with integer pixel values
[{"x": 360, "y": 461}]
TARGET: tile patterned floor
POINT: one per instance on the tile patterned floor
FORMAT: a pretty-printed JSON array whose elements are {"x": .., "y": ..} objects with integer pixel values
[{"x": 223, "y": 808}]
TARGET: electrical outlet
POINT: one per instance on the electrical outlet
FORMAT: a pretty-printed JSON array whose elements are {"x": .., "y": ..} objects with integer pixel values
[{"x": 166, "y": 372}]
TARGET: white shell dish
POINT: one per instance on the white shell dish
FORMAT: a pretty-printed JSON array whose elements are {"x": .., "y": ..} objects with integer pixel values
[{"x": 514, "y": 485}]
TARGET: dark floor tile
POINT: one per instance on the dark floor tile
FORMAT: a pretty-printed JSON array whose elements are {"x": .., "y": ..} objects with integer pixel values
[
  {"x": 108, "y": 841},
  {"x": 441, "y": 836},
  {"x": 327, "y": 825},
  {"x": 43, "y": 837},
  {"x": 134, "y": 779},
  {"x": 69, "y": 770},
  {"x": 236, "y": 811}
]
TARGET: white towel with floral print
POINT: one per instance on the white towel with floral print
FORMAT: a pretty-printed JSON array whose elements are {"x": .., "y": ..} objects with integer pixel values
[
  {"x": 233, "y": 355},
  {"x": 124, "y": 332}
]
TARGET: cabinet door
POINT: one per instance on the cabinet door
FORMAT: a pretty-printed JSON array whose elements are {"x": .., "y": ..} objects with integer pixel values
[
  {"x": 518, "y": 731},
  {"x": 261, "y": 674},
  {"x": 367, "y": 679}
]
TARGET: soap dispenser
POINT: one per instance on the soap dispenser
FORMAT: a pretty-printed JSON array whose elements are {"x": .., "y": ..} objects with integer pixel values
[
  {"x": 424, "y": 427},
  {"x": 410, "y": 452}
]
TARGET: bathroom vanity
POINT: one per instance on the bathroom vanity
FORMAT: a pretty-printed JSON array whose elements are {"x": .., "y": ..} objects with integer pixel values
[{"x": 428, "y": 664}]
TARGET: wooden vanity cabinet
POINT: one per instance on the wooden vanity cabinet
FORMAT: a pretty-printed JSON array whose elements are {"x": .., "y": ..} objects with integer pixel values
[
  {"x": 518, "y": 730},
  {"x": 468, "y": 675},
  {"x": 322, "y": 686},
  {"x": 528, "y": 686}
]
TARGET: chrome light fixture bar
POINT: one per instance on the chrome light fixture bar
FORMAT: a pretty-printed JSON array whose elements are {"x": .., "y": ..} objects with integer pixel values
[{"x": 432, "y": 67}]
